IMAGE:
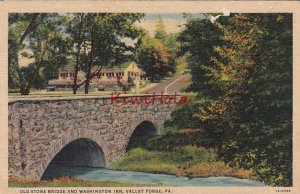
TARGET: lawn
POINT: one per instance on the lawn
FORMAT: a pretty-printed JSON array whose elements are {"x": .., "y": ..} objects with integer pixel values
[{"x": 188, "y": 161}]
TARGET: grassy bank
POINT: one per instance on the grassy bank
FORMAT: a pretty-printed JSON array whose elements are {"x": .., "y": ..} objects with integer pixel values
[
  {"x": 70, "y": 182},
  {"x": 187, "y": 161}
]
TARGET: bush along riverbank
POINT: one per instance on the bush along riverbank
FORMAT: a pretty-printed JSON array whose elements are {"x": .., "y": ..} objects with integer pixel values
[
  {"x": 190, "y": 162},
  {"x": 175, "y": 153}
]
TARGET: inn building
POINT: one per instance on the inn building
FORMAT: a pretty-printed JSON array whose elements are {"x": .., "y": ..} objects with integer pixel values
[{"x": 109, "y": 79}]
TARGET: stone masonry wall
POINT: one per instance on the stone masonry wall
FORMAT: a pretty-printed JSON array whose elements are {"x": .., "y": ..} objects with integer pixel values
[{"x": 39, "y": 129}]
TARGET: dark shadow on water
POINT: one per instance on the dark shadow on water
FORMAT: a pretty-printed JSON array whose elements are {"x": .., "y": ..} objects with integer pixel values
[
  {"x": 55, "y": 170},
  {"x": 79, "y": 153},
  {"x": 143, "y": 132}
]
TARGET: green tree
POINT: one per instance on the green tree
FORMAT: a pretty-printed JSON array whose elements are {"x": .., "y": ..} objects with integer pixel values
[
  {"x": 172, "y": 46},
  {"x": 36, "y": 37},
  {"x": 258, "y": 94},
  {"x": 76, "y": 31},
  {"x": 197, "y": 43},
  {"x": 99, "y": 41},
  {"x": 160, "y": 32},
  {"x": 169, "y": 40},
  {"x": 249, "y": 70},
  {"x": 154, "y": 58}
]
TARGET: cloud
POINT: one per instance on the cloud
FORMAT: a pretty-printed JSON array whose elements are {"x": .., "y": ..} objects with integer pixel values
[
  {"x": 214, "y": 18},
  {"x": 225, "y": 11}
]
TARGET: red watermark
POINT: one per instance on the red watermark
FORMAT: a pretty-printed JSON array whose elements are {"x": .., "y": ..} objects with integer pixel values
[{"x": 151, "y": 99}]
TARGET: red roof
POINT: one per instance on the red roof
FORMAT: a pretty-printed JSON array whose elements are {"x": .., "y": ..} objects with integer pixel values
[
  {"x": 94, "y": 81},
  {"x": 108, "y": 82}
]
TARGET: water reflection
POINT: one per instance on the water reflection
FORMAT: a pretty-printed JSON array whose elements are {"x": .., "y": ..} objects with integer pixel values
[{"x": 103, "y": 174}]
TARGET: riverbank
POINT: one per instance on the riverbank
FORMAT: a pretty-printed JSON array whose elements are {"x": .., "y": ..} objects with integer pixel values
[
  {"x": 189, "y": 161},
  {"x": 72, "y": 182}
]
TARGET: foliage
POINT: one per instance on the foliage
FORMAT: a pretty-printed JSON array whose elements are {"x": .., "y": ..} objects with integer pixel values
[
  {"x": 40, "y": 42},
  {"x": 99, "y": 39},
  {"x": 48, "y": 41},
  {"x": 187, "y": 161},
  {"x": 242, "y": 65},
  {"x": 160, "y": 31},
  {"x": 76, "y": 31},
  {"x": 181, "y": 64},
  {"x": 154, "y": 58},
  {"x": 172, "y": 140},
  {"x": 185, "y": 116},
  {"x": 196, "y": 43},
  {"x": 170, "y": 44}
]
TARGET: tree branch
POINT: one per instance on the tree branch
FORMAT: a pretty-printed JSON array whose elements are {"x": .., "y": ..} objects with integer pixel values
[{"x": 31, "y": 23}]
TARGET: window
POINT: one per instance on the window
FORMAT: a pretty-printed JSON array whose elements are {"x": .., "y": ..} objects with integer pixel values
[{"x": 64, "y": 75}]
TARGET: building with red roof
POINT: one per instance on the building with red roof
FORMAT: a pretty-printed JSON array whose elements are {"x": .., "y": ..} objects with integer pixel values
[{"x": 108, "y": 79}]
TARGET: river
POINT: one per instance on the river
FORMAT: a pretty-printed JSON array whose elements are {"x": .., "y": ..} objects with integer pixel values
[{"x": 103, "y": 174}]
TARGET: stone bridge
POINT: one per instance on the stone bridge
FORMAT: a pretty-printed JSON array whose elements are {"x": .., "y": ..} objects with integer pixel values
[{"x": 87, "y": 131}]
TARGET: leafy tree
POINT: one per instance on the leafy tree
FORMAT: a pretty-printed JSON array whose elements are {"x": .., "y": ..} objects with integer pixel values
[
  {"x": 172, "y": 46},
  {"x": 99, "y": 41},
  {"x": 36, "y": 37},
  {"x": 197, "y": 42},
  {"x": 13, "y": 49},
  {"x": 169, "y": 40},
  {"x": 153, "y": 58},
  {"x": 160, "y": 32},
  {"x": 258, "y": 98},
  {"x": 249, "y": 70},
  {"x": 76, "y": 31},
  {"x": 92, "y": 40}
]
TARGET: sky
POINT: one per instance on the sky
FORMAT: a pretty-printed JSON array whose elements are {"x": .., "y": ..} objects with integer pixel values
[{"x": 173, "y": 22}]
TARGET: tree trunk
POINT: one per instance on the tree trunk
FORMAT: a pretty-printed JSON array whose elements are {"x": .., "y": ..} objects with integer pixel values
[
  {"x": 24, "y": 90},
  {"x": 75, "y": 86},
  {"x": 89, "y": 68},
  {"x": 28, "y": 29},
  {"x": 88, "y": 78},
  {"x": 79, "y": 38}
]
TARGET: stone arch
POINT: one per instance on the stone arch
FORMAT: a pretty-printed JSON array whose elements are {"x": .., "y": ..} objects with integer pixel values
[
  {"x": 81, "y": 152},
  {"x": 68, "y": 137},
  {"x": 146, "y": 127},
  {"x": 141, "y": 127}
]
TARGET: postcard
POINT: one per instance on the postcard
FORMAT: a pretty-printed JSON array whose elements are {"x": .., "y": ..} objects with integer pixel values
[{"x": 148, "y": 97}]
